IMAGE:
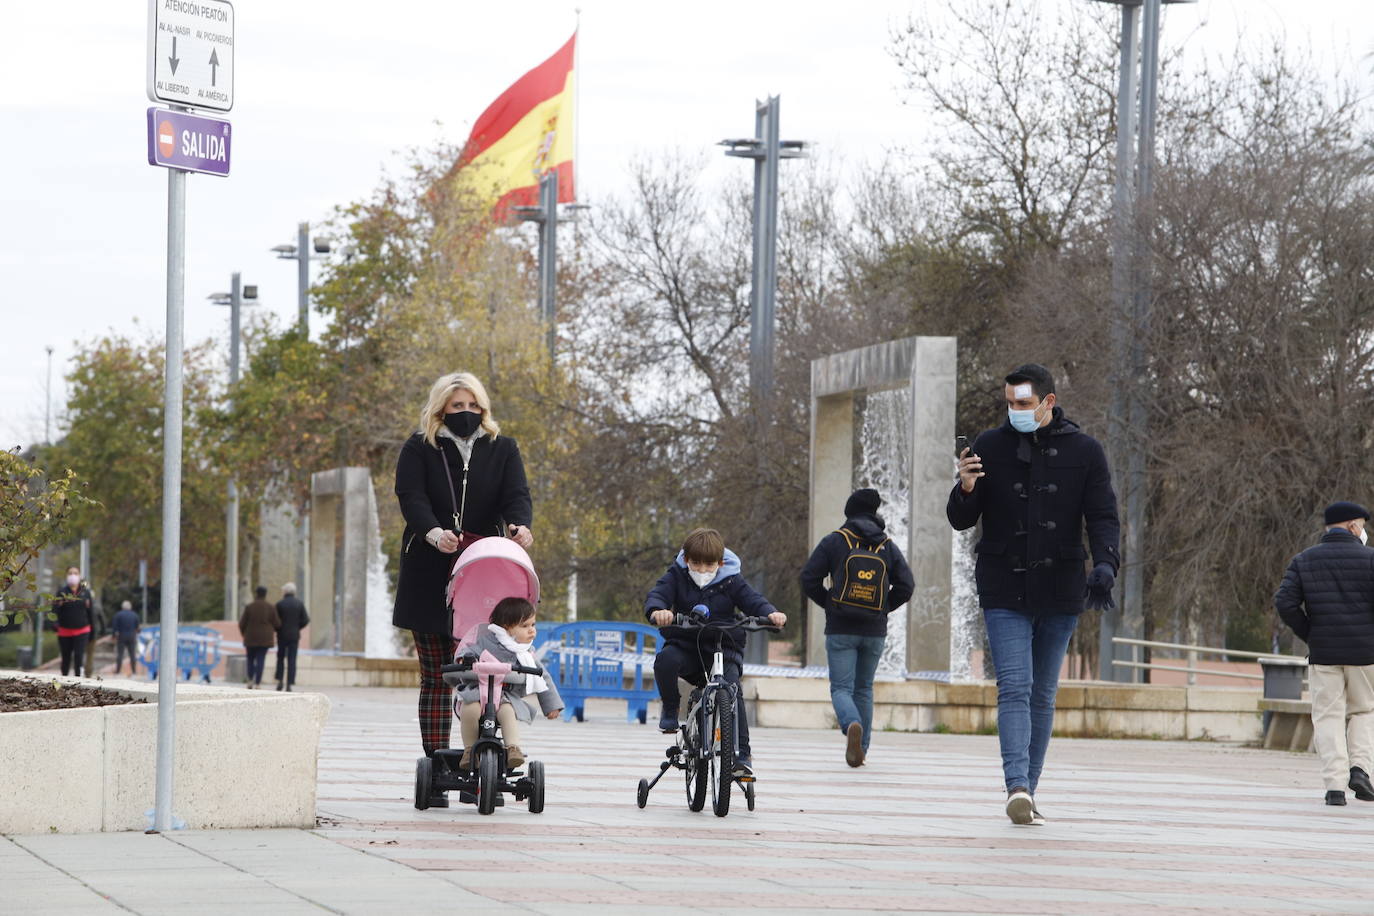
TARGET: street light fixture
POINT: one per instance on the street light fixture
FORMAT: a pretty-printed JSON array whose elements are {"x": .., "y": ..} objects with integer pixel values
[
  {"x": 300, "y": 253},
  {"x": 234, "y": 299}
]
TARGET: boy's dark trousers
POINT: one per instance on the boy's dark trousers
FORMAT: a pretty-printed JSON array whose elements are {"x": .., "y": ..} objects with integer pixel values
[
  {"x": 286, "y": 655},
  {"x": 675, "y": 661}
]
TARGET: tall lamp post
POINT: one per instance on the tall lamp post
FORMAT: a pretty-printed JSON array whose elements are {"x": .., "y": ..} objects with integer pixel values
[
  {"x": 234, "y": 299},
  {"x": 767, "y": 150},
  {"x": 301, "y": 254},
  {"x": 1132, "y": 303}
]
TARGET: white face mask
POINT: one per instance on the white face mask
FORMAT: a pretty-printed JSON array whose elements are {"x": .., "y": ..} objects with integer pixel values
[
  {"x": 73, "y": 581},
  {"x": 702, "y": 579}
]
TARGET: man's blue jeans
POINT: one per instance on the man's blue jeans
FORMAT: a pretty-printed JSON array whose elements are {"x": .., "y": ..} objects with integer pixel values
[
  {"x": 853, "y": 660},
  {"x": 1027, "y": 651}
]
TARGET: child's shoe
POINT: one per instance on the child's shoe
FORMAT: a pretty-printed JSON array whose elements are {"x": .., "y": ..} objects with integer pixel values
[
  {"x": 744, "y": 767},
  {"x": 514, "y": 756},
  {"x": 465, "y": 762},
  {"x": 667, "y": 722}
]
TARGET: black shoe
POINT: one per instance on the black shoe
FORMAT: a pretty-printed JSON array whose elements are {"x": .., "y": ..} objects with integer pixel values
[
  {"x": 744, "y": 767},
  {"x": 279, "y": 686},
  {"x": 1335, "y": 797},
  {"x": 854, "y": 745},
  {"x": 667, "y": 722},
  {"x": 1360, "y": 784}
]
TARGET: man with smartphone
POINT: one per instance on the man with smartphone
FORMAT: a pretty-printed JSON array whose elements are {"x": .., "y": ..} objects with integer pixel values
[{"x": 1036, "y": 483}]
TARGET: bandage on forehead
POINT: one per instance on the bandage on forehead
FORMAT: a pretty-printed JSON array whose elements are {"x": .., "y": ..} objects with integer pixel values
[{"x": 1023, "y": 390}]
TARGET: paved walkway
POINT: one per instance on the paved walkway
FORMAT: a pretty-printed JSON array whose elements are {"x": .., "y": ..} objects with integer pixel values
[{"x": 1134, "y": 827}]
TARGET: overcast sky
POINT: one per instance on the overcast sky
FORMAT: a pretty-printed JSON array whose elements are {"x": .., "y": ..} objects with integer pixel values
[{"x": 326, "y": 94}]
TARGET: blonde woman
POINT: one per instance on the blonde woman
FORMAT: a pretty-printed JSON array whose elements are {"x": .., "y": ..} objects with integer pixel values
[{"x": 458, "y": 479}]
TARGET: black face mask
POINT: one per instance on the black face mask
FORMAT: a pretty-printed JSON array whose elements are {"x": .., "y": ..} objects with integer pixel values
[{"x": 463, "y": 423}]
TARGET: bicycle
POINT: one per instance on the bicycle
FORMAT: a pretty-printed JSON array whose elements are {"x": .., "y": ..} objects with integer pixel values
[{"x": 707, "y": 744}]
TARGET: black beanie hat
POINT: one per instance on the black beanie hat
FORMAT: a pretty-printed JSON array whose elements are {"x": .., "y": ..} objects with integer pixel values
[
  {"x": 1341, "y": 512},
  {"x": 862, "y": 502}
]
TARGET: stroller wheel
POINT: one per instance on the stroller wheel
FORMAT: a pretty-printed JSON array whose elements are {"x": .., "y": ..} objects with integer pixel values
[
  {"x": 424, "y": 779},
  {"x": 488, "y": 780},
  {"x": 642, "y": 796},
  {"x": 536, "y": 778}
]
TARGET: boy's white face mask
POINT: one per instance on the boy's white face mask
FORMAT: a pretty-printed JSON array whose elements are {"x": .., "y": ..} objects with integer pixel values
[{"x": 703, "y": 579}]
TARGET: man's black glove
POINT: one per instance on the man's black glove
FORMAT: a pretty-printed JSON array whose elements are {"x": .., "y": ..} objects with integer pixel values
[{"x": 1100, "y": 582}]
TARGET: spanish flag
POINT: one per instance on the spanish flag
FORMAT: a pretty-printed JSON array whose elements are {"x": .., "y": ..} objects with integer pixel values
[{"x": 525, "y": 133}]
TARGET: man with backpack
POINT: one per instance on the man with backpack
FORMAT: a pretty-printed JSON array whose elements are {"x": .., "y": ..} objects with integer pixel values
[{"x": 869, "y": 579}]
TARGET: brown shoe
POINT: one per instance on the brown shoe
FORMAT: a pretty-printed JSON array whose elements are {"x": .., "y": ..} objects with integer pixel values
[
  {"x": 854, "y": 745},
  {"x": 465, "y": 762},
  {"x": 514, "y": 756}
]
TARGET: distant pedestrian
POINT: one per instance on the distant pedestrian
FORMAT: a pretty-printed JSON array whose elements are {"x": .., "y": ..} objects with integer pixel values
[
  {"x": 292, "y": 618},
  {"x": 869, "y": 579},
  {"x": 1327, "y": 599},
  {"x": 124, "y": 626},
  {"x": 1036, "y": 482},
  {"x": 75, "y": 609},
  {"x": 258, "y": 623}
]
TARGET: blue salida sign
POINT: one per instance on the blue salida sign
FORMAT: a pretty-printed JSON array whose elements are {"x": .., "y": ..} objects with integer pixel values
[{"x": 192, "y": 143}]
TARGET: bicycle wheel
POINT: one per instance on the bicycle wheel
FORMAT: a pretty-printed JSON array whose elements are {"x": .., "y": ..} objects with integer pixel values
[
  {"x": 424, "y": 780},
  {"x": 695, "y": 765},
  {"x": 488, "y": 780},
  {"x": 722, "y": 751}
]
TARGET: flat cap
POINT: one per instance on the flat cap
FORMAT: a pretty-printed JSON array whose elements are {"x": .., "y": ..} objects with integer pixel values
[{"x": 1344, "y": 512}]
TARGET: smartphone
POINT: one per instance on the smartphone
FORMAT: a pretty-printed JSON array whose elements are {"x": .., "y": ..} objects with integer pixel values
[{"x": 960, "y": 443}]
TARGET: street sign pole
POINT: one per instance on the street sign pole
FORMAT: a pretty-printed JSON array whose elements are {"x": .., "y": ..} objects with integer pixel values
[
  {"x": 171, "y": 500},
  {"x": 190, "y": 65}
]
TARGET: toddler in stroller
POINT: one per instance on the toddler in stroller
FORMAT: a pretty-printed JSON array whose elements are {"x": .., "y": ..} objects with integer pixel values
[
  {"x": 508, "y": 638},
  {"x": 489, "y": 674}
]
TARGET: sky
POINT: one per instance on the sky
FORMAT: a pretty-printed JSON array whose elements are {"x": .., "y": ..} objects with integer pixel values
[{"x": 328, "y": 96}]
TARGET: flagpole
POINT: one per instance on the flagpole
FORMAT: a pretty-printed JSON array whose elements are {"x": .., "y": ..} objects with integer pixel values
[{"x": 577, "y": 97}]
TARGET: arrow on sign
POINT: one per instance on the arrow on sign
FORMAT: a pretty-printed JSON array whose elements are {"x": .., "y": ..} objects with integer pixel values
[
  {"x": 173, "y": 60},
  {"x": 214, "y": 62}
]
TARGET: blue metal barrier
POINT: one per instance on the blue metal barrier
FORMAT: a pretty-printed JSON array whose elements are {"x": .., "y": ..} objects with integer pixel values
[
  {"x": 591, "y": 658},
  {"x": 198, "y": 649}
]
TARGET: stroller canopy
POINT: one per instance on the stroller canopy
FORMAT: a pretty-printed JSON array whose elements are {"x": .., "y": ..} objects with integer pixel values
[{"x": 489, "y": 570}]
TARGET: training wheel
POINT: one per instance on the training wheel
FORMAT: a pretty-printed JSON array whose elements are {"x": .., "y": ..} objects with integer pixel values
[{"x": 642, "y": 796}]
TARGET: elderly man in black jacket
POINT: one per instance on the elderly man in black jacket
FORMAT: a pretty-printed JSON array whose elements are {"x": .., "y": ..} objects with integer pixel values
[
  {"x": 1036, "y": 482},
  {"x": 1327, "y": 598},
  {"x": 294, "y": 618}
]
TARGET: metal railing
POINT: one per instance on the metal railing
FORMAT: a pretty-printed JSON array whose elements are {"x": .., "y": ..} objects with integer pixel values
[{"x": 1192, "y": 670}]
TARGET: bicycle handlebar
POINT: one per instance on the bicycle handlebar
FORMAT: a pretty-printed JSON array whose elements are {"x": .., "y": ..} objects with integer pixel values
[
  {"x": 695, "y": 620},
  {"x": 464, "y": 666}
]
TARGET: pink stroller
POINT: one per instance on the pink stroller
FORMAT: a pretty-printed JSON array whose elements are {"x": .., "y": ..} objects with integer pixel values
[{"x": 489, "y": 570}]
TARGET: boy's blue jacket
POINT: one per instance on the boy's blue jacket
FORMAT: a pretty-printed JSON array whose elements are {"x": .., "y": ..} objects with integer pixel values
[{"x": 675, "y": 591}]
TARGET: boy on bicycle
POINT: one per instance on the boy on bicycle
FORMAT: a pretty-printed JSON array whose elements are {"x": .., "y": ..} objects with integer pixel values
[{"x": 705, "y": 573}]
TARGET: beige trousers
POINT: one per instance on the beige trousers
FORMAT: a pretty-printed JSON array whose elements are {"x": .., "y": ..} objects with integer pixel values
[
  {"x": 1342, "y": 720},
  {"x": 505, "y": 715}
]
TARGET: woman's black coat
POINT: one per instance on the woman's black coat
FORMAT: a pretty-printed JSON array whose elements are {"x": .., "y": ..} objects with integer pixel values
[
  {"x": 1040, "y": 491},
  {"x": 497, "y": 495}
]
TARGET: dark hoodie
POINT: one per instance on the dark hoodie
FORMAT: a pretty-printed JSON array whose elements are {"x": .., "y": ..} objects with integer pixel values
[
  {"x": 675, "y": 591},
  {"x": 827, "y": 560},
  {"x": 1039, "y": 494}
]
